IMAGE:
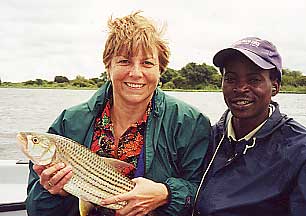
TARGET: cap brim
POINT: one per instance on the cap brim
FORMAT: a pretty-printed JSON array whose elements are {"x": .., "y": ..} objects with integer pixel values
[{"x": 221, "y": 57}]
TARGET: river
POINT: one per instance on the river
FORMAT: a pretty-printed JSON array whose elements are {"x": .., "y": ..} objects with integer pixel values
[{"x": 36, "y": 109}]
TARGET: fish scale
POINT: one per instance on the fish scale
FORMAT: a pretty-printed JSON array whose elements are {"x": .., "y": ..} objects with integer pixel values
[
  {"x": 93, "y": 177},
  {"x": 88, "y": 167}
]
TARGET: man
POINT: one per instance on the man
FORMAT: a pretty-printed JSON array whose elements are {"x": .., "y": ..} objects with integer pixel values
[{"x": 256, "y": 164}]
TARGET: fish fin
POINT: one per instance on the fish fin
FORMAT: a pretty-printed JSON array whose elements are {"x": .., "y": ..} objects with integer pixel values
[
  {"x": 120, "y": 166},
  {"x": 85, "y": 207}
]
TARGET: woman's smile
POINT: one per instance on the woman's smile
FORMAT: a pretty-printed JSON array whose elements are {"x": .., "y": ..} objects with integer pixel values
[{"x": 134, "y": 85}]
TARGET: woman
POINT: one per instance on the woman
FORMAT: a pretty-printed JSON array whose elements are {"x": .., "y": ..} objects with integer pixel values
[{"x": 130, "y": 119}]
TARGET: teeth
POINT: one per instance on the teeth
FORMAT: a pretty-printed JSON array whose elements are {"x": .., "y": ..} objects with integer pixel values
[
  {"x": 242, "y": 102},
  {"x": 133, "y": 85}
]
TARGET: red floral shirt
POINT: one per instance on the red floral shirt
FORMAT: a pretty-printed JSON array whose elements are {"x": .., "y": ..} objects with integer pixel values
[{"x": 130, "y": 143}]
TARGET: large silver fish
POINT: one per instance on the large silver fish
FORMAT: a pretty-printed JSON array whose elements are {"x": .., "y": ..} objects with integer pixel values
[{"x": 94, "y": 177}]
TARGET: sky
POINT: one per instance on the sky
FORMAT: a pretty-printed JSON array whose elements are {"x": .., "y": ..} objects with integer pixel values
[{"x": 41, "y": 39}]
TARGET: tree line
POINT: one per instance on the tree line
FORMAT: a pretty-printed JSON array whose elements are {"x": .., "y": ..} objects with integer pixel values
[{"x": 193, "y": 76}]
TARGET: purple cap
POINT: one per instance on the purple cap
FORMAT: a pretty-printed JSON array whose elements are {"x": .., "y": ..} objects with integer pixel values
[{"x": 262, "y": 52}]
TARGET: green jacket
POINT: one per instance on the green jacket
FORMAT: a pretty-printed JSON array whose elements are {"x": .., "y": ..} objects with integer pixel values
[{"x": 176, "y": 140}]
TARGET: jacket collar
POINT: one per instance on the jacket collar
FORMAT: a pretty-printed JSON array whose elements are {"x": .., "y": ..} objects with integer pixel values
[
  {"x": 275, "y": 121},
  {"x": 100, "y": 97}
]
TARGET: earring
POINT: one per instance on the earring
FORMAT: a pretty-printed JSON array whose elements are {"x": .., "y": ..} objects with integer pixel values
[{"x": 274, "y": 91}]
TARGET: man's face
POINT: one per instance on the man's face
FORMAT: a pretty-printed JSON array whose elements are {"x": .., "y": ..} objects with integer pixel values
[{"x": 247, "y": 90}]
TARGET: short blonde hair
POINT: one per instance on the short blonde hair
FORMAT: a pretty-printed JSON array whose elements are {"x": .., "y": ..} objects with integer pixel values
[{"x": 133, "y": 32}]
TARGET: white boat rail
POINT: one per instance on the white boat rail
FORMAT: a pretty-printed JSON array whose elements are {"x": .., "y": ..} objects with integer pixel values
[{"x": 13, "y": 187}]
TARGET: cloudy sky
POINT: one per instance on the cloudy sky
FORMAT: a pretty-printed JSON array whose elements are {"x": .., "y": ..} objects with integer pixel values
[{"x": 45, "y": 38}]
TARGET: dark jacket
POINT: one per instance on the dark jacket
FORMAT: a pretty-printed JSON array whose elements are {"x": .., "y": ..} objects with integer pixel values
[
  {"x": 176, "y": 140},
  {"x": 266, "y": 178}
]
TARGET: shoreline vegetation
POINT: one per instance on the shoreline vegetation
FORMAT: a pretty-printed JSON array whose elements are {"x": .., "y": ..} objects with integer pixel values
[
  {"x": 193, "y": 78},
  {"x": 286, "y": 89}
]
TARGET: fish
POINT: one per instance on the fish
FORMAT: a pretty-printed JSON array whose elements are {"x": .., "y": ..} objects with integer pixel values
[{"x": 94, "y": 177}]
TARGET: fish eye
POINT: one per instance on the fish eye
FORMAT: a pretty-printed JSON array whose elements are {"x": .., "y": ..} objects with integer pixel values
[{"x": 35, "y": 140}]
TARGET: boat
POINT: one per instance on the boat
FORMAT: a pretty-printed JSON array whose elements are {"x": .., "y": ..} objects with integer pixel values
[{"x": 13, "y": 187}]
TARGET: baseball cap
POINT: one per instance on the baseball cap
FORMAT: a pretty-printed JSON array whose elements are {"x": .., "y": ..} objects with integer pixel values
[{"x": 262, "y": 52}]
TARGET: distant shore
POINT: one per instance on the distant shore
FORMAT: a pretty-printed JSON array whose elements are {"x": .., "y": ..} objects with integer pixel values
[
  {"x": 191, "y": 78},
  {"x": 284, "y": 89}
]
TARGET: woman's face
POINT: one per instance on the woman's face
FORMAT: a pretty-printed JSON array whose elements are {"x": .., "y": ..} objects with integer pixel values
[{"x": 134, "y": 78}]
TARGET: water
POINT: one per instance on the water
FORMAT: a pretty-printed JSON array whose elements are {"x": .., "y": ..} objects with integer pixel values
[{"x": 36, "y": 109}]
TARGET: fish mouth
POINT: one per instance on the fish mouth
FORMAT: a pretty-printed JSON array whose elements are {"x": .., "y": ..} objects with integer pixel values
[
  {"x": 21, "y": 137},
  {"x": 22, "y": 142}
]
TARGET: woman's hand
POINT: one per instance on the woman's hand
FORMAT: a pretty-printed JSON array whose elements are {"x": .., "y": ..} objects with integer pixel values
[
  {"x": 54, "y": 178},
  {"x": 144, "y": 198}
]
